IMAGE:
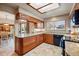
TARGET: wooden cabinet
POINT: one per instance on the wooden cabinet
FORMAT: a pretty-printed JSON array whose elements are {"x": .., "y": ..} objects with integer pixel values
[
  {"x": 32, "y": 26},
  {"x": 19, "y": 45},
  {"x": 48, "y": 38},
  {"x": 29, "y": 40},
  {"x": 29, "y": 44},
  {"x": 23, "y": 45},
  {"x": 29, "y": 19},
  {"x": 39, "y": 39}
]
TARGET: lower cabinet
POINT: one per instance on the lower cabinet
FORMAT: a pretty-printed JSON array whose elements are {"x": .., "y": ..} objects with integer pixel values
[
  {"x": 29, "y": 47},
  {"x": 18, "y": 45},
  {"x": 29, "y": 43},
  {"x": 23, "y": 45},
  {"x": 39, "y": 39},
  {"x": 48, "y": 38}
]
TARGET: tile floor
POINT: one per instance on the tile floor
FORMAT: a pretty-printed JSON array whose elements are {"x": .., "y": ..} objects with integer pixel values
[
  {"x": 72, "y": 48},
  {"x": 7, "y": 47},
  {"x": 45, "y": 50}
]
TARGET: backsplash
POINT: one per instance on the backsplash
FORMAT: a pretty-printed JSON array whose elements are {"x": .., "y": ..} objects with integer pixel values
[{"x": 59, "y": 32}]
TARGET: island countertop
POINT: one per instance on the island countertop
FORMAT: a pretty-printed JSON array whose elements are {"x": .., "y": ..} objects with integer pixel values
[{"x": 72, "y": 48}]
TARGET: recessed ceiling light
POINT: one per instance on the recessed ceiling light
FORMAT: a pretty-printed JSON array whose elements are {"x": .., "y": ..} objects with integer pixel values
[{"x": 23, "y": 20}]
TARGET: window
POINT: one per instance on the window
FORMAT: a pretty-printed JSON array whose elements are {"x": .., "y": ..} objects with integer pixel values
[
  {"x": 59, "y": 24},
  {"x": 53, "y": 25}
]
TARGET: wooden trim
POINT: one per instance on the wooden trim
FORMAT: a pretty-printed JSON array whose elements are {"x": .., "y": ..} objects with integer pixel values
[
  {"x": 34, "y": 8},
  {"x": 26, "y": 17},
  {"x": 38, "y": 8}
]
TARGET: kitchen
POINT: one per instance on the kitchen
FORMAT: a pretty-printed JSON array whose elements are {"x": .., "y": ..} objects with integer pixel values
[{"x": 42, "y": 29}]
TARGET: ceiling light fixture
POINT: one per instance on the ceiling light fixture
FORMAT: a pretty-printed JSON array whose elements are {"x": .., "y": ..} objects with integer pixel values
[
  {"x": 44, "y": 7},
  {"x": 49, "y": 7},
  {"x": 6, "y": 24},
  {"x": 38, "y": 5}
]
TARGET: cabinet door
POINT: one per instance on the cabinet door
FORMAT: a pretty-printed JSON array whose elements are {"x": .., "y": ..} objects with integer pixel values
[
  {"x": 48, "y": 38},
  {"x": 29, "y": 44},
  {"x": 18, "y": 45},
  {"x": 29, "y": 40},
  {"x": 29, "y": 47},
  {"x": 39, "y": 39},
  {"x": 31, "y": 27}
]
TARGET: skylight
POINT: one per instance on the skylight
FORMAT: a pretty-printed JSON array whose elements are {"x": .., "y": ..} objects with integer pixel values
[
  {"x": 49, "y": 7},
  {"x": 38, "y": 5},
  {"x": 44, "y": 7}
]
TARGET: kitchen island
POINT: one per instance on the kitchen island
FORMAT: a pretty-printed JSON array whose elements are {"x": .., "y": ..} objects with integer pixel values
[
  {"x": 72, "y": 48},
  {"x": 71, "y": 45}
]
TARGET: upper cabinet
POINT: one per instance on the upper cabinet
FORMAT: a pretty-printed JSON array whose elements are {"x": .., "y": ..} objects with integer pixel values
[
  {"x": 27, "y": 17},
  {"x": 29, "y": 25}
]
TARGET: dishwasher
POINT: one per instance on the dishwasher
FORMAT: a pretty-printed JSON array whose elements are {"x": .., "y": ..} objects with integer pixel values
[{"x": 58, "y": 41}]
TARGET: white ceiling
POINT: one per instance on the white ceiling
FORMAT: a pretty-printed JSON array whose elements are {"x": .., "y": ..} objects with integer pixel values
[{"x": 63, "y": 9}]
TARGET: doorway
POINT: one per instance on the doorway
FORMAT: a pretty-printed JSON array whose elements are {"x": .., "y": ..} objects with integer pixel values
[{"x": 7, "y": 39}]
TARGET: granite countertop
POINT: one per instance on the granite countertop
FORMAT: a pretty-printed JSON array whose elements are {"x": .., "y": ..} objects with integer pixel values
[
  {"x": 68, "y": 37},
  {"x": 71, "y": 40},
  {"x": 33, "y": 34},
  {"x": 29, "y": 34},
  {"x": 72, "y": 48}
]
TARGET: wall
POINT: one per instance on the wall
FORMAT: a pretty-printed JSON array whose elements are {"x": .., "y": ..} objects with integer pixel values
[
  {"x": 7, "y": 8},
  {"x": 7, "y": 12},
  {"x": 6, "y": 17},
  {"x": 53, "y": 19}
]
